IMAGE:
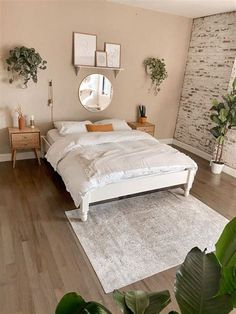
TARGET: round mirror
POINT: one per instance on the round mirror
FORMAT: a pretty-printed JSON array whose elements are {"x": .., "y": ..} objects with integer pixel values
[{"x": 95, "y": 92}]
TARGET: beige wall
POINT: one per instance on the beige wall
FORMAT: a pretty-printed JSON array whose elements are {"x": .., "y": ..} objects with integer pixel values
[{"x": 48, "y": 26}]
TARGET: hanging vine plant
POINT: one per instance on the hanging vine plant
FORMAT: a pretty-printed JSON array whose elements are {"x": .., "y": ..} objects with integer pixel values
[
  {"x": 25, "y": 62},
  {"x": 156, "y": 69}
]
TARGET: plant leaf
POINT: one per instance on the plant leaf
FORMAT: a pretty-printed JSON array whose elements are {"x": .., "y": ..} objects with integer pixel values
[
  {"x": 223, "y": 115},
  {"x": 137, "y": 301},
  {"x": 197, "y": 283},
  {"x": 226, "y": 245},
  {"x": 234, "y": 85},
  {"x": 214, "y": 117},
  {"x": 228, "y": 280},
  {"x": 94, "y": 308},
  {"x": 216, "y": 131},
  {"x": 157, "y": 302},
  {"x": 70, "y": 304},
  {"x": 119, "y": 298}
]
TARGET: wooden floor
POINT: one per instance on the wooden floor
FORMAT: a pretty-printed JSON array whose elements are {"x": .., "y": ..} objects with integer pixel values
[{"x": 40, "y": 257}]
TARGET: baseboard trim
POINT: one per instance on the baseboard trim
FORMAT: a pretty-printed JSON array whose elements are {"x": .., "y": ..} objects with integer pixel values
[
  {"x": 198, "y": 152},
  {"x": 166, "y": 140},
  {"x": 230, "y": 171},
  {"x": 193, "y": 150},
  {"x": 19, "y": 156}
]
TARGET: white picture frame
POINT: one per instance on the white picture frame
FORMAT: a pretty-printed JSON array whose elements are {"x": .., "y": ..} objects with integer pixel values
[
  {"x": 113, "y": 55},
  {"x": 85, "y": 46},
  {"x": 101, "y": 58}
]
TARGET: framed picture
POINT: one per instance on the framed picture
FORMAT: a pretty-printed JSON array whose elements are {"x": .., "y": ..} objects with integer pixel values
[
  {"x": 113, "y": 55},
  {"x": 85, "y": 46},
  {"x": 101, "y": 58}
]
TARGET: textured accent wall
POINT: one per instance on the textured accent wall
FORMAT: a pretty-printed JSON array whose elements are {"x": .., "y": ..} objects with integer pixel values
[{"x": 208, "y": 72}]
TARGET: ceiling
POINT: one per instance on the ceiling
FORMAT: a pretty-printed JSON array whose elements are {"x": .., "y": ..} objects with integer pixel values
[{"x": 188, "y": 8}]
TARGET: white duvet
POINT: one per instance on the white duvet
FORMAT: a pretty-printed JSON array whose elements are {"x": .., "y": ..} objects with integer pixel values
[{"x": 87, "y": 161}]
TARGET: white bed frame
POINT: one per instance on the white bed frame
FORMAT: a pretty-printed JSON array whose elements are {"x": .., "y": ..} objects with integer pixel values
[{"x": 133, "y": 185}]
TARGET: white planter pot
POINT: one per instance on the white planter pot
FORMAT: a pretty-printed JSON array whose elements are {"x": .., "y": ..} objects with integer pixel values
[{"x": 216, "y": 168}]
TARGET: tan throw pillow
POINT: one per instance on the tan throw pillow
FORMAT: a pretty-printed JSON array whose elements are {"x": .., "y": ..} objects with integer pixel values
[{"x": 99, "y": 127}]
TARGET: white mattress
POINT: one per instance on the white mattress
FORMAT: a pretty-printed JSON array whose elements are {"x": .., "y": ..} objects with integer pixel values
[{"x": 53, "y": 135}]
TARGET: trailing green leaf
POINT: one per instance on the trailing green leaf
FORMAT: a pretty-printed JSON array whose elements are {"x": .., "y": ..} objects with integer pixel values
[
  {"x": 156, "y": 68},
  {"x": 25, "y": 62}
]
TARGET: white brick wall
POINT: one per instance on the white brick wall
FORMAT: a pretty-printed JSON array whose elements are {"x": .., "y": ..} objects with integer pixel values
[{"x": 209, "y": 66}]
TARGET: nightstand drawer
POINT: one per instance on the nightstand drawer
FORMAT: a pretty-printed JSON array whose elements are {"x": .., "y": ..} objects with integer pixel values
[
  {"x": 146, "y": 129},
  {"x": 150, "y": 132},
  {"x": 25, "y": 140}
]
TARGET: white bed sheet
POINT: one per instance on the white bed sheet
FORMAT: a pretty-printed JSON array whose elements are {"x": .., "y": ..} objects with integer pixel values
[
  {"x": 53, "y": 136},
  {"x": 92, "y": 160}
]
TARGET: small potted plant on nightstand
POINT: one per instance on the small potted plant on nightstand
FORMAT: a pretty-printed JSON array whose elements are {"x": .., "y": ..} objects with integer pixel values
[
  {"x": 142, "y": 113},
  {"x": 224, "y": 117}
]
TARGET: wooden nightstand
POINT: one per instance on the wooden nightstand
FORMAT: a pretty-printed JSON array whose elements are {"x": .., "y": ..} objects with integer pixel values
[
  {"x": 145, "y": 127},
  {"x": 27, "y": 138}
]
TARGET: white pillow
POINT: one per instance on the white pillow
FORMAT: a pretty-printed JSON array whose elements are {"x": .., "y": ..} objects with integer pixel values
[
  {"x": 70, "y": 127},
  {"x": 117, "y": 124}
]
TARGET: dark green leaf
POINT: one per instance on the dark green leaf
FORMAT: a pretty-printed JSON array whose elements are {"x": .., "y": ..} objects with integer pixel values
[
  {"x": 137, "y": 301},
  {"x": 197, "y": 284},
  {"x": 119, "y": 298},
  {"x": 157, "y": 302},
  {"x": 228, "y": 280},
  {"x": 70, "y": 304},
  {"x": 214, "y": 117},
  {"x": 234, "y": 85},
  {"x": 94, "y": 308},
  {"x": 226, "y": 245},
  {"x": 216, "y": 131}
]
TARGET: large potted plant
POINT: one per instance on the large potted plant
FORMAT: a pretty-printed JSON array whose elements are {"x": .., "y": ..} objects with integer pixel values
[
  {"x": 224, "y": 118},
  {"x": 25, "y": 62}
]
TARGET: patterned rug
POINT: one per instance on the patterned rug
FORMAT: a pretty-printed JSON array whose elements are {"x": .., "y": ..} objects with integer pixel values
[{"x": 131, "y": 239}]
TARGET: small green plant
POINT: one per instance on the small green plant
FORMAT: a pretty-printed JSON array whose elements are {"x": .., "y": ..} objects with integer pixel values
[
  {"x": 156, "y": 68},
  {"x": 25, "y": 62},
  {"x": 224, "y": 117},
  {"x": 205, "y": 284},
  {"x": 73, "y": 303},
  {"x": 142, "y": 111},
  {"x": 141, "y": 302}
]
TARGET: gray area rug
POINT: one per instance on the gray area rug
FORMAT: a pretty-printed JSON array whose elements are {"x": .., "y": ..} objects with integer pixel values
[{"x": 134, "y": 238}]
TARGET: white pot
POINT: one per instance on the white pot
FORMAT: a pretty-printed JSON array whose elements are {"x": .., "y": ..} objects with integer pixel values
[{"x": 216, "y": 168}]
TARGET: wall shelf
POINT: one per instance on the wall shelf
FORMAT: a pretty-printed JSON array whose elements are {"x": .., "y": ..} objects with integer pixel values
[{"x": 115, "y": 70}]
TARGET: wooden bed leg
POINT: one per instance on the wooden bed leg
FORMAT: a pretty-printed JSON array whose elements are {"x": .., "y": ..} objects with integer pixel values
[
  {"x": 84, "y": 206},
  {"x": 188, "y": 185}
]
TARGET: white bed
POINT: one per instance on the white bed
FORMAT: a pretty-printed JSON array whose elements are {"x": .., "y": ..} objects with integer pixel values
[
  {"x": 100, "y": 166},
  {"x": 52, "y": 136}
]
